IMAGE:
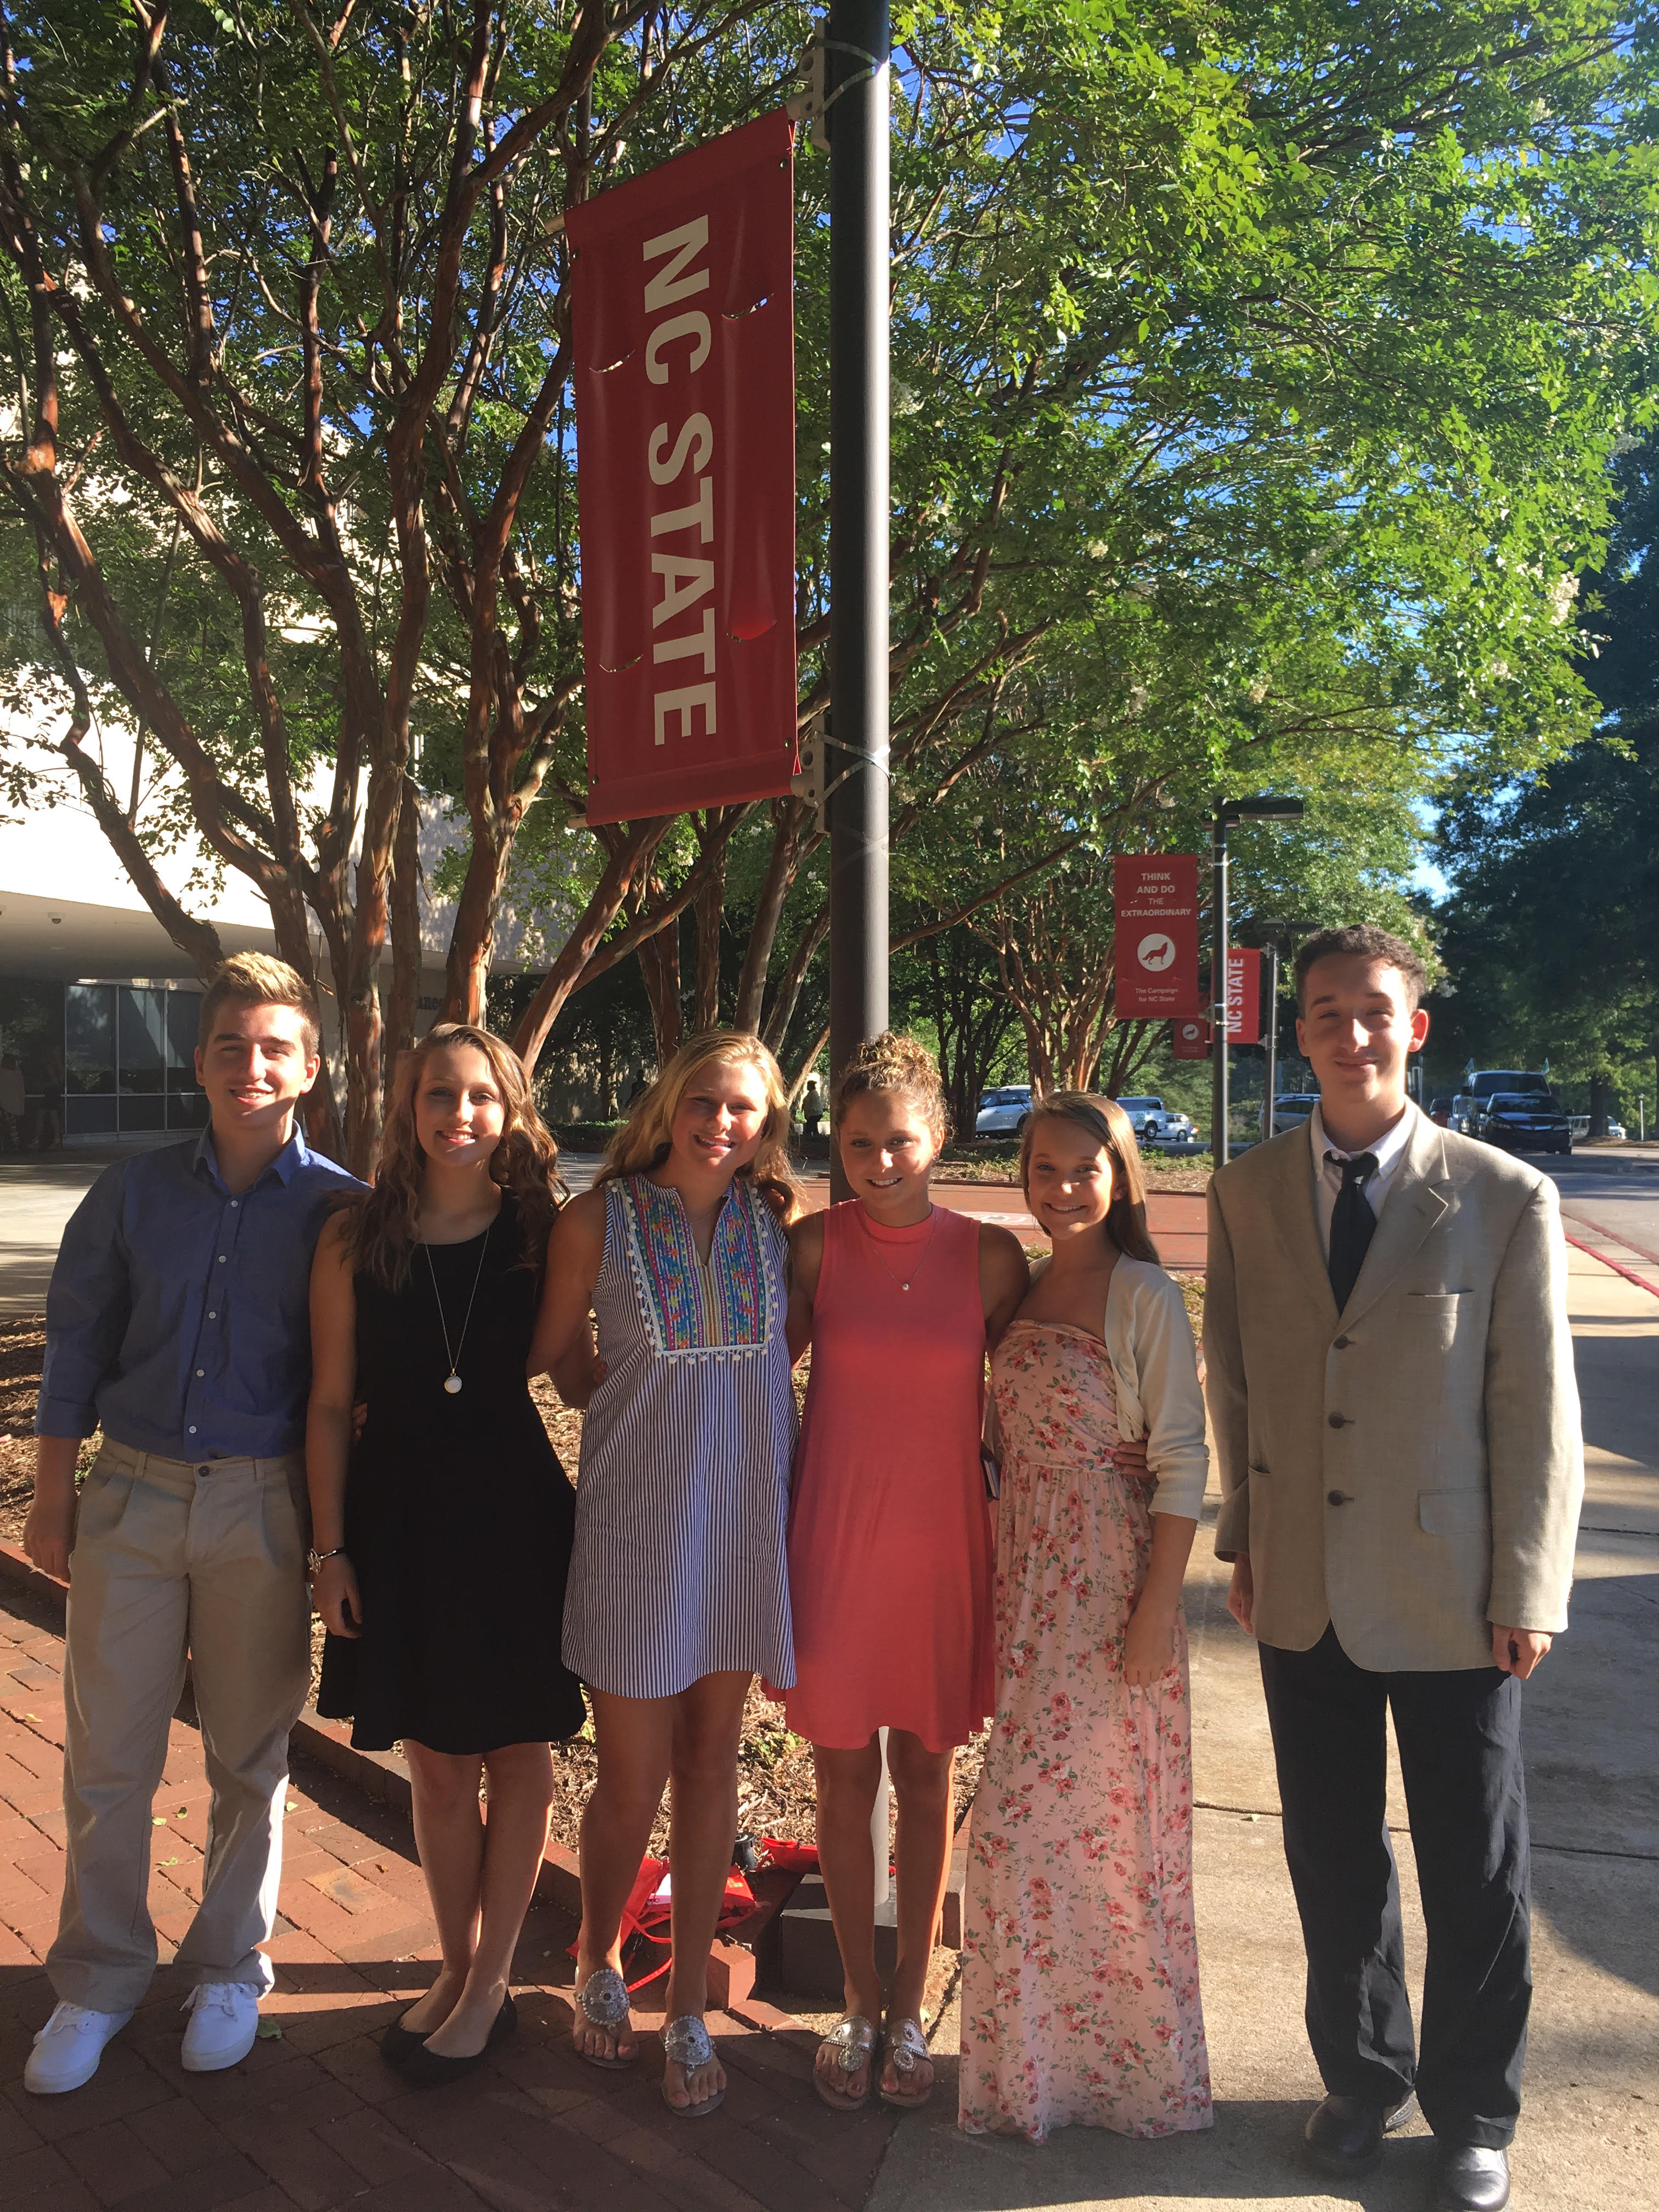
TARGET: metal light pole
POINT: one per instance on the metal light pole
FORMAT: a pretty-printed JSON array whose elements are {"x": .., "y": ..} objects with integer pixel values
[
  {"x": 856, "y": 112},
  {"x": 1265, "y": 808},
  {"x": 1272, "y": 930}
]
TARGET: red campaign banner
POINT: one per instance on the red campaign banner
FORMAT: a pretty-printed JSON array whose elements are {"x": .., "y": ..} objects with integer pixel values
[
  {"x": 1190, "y": 1039},
  {"x": 1243, "y": 995},
  {"x": 683, "y": 323},
  {"x": 1155, "y": 898}
]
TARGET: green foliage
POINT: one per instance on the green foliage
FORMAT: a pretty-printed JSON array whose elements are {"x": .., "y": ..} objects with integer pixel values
[
  {"x": 1551, "y": 931},
  {"x": 1256, "y": 368}
]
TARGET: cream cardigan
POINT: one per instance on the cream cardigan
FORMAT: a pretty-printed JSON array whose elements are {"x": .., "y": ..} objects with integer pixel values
[{"x": 1154, "y": 1363}]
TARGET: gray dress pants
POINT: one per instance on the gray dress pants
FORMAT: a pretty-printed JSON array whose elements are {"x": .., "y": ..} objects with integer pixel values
[{"x": 173, "y": 1556}]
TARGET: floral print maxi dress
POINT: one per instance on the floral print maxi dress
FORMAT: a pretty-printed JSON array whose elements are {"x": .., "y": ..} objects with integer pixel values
[{"x": 1079, "y": 1998}]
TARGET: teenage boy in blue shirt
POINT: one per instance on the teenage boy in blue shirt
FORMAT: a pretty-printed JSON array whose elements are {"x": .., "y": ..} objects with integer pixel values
[{"x": 177, "y": 1320}]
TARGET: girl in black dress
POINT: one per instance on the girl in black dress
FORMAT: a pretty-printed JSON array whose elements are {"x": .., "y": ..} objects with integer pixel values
[{"x": 442, "y": 1535}]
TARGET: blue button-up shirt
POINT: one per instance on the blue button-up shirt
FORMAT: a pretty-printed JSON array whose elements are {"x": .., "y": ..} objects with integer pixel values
[{"x": 178, "y": 1316}]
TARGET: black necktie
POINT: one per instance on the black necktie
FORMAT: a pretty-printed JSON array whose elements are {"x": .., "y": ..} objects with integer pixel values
[{"x": 1351, "y": 1224}]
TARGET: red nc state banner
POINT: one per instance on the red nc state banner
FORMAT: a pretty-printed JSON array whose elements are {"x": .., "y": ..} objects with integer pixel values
[
  {"x": 1155, "y": 896},
  {"x": 682, "y": 322},
  {"x": 1243, "y": 995},
  {"x": 1189, "y": 1040}
]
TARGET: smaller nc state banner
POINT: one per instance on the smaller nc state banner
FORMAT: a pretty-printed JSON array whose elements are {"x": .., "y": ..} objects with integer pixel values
[
  {"x": 1243, "y": 995},
  {"x": 1155, "y": 896},
  {"x": 683, "y": 325},
  {"x": 1190, "y": 1039}
]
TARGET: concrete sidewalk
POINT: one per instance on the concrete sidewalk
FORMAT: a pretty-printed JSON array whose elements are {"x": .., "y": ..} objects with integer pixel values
[{"x": 1589, "y": 2135}]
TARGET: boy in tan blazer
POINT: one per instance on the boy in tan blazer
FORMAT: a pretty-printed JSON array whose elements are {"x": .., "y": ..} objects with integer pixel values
[{"x": 1391, "y": 1384}]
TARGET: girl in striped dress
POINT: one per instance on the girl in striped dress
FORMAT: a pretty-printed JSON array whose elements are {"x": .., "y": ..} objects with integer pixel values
[{"x": 678, "y": 1590}]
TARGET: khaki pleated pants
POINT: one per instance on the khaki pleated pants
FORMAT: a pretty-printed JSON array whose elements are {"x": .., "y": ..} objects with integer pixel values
[{"x": 173, "y": 1557}]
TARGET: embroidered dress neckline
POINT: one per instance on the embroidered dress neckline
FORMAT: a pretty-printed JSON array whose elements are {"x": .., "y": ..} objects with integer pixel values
[{"x": 698, "y": 1307}]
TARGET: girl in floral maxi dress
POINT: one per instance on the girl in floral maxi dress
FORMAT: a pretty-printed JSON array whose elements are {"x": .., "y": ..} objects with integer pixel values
[{"x": 1080, "y": 1998}]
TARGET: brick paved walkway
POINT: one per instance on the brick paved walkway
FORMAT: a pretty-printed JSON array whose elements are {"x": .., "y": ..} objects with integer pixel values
[{"x": 313, "y": 2117}]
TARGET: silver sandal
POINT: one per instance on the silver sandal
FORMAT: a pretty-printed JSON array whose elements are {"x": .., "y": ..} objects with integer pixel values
[
  {"x": 906, "y": 2045},
  {"x": 852, "y": 2043},
  {"x": 685, "y": 2042},
  {"x": 603, "y": 1999}
]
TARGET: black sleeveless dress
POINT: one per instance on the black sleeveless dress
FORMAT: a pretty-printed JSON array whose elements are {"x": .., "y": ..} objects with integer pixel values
[{"x": 459, "y": 1516}]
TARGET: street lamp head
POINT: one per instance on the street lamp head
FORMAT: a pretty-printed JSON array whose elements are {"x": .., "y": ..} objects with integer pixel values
[{"x": 1265, "y": 807}]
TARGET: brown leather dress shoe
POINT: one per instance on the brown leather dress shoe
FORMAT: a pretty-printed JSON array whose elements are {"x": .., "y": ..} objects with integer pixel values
[{"x": 1345, "y": 2134}]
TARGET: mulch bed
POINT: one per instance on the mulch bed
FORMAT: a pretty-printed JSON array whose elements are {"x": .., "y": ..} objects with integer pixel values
[{"x": 774, "y": 1772}]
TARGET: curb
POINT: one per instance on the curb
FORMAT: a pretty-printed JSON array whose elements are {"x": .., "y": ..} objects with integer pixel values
[
  {"x": 1640, "y": 1281},
  {"x": 733, "y": 1963}
]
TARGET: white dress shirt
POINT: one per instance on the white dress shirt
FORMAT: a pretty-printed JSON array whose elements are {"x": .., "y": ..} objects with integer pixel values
[{"x": 1388, "y": 1152}]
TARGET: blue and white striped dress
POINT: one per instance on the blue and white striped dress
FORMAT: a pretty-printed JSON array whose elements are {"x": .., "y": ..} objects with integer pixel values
[{"x": 679, "y": 1565}]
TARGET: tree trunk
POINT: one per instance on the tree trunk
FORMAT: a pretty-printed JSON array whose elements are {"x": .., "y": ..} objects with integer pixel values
[
  {"x": 405, "y": 930},
  {"x": 633, "y": 851},
  {"x": 1599, "y": 1104},
  {"x": 710, "y": 910},
  {"x": 788, "y": 819},
  {"x": 659, "y": 967},
  {"x": 466, "y": 970}
]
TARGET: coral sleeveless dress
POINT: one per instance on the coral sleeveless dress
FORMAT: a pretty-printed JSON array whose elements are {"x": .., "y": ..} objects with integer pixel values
[{"x": 891, "y": 1554}]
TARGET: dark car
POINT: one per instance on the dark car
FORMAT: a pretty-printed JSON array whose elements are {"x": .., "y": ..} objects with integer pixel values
[
  {"x": 1524, "y": 1121},
  {"x": 1482, "y": 1086},
  {"x": 1440, "y": 1112}
]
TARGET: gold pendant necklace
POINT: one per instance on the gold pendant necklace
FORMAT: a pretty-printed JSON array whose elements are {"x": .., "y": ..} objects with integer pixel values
[{"x": 932, "y": 1222}]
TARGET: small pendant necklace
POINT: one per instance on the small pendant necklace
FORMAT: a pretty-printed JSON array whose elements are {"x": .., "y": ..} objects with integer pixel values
[
  {"x": 453, "y": 1381},
  {"x": 920, "y": 1256}
]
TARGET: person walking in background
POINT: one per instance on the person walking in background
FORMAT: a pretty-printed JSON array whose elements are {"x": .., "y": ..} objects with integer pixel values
[
  {"x": 13, "y": 1104},
  {"x": 49, "y": 1118},
  {"x": 441, "y": 1540},
  {"x": 889, "y": 1538},
  {"x": 1391, "y": 1385},
  {"x": 176, "y": 1319},
  {"x": 1080, "y": 1996},
  {"x": 678, "y": 1589}
]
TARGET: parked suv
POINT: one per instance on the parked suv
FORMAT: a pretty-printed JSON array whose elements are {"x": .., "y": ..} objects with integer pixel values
[
  {"x": 1148, "y": 1117},
  {"x": 1524, "y": 1121},
  {"x": 1291, "y": 1109},
  {"x": 1485, "y": 1084},
  {"x": 1003, "y": 1112}
]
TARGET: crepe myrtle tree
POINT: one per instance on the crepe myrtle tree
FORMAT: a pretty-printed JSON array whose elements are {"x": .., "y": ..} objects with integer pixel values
[{"x": 1325, "y": 315}]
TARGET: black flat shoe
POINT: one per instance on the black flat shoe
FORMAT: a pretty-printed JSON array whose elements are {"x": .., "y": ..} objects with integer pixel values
[
  {"x": 399, "y": 2041},
  {"x": 428, "y": 2069},
  {"x": 1470, "y": 2178},
  {"x": 1345, "y": 2134}
]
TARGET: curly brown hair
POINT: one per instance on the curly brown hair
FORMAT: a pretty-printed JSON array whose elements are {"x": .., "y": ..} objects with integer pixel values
[
  {"x": 646, "y": 1138},
  {"x": 383, "y": 1228},
  {"x": 894, "y": 1063}
]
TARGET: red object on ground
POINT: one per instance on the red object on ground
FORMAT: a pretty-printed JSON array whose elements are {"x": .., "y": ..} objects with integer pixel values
[
  {"x": 1155, "y": 898},
  {"x": 682, "y": 322},
  {"x": 780, "y": 1854}
]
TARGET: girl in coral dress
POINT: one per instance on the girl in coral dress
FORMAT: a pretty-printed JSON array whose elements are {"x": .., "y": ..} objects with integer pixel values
[
  {"x": 890, "y": 1534},
  {"x": 1080, "y": 1999}
]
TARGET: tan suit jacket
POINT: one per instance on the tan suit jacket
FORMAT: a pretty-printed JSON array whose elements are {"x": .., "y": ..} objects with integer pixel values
[{"x": 1411, "y": 1469}]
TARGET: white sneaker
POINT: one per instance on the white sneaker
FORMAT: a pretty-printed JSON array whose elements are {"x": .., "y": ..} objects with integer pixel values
[
  {"x": 69, "y": 2047},
  {"x": 224, "y": 2020}
]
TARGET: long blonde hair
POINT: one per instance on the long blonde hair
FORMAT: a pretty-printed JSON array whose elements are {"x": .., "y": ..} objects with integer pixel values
[
  {"x": 384, "y": 1228},
  {"x": 645, "y": 1140},
  {"x": 1105, "y": 1121}
]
